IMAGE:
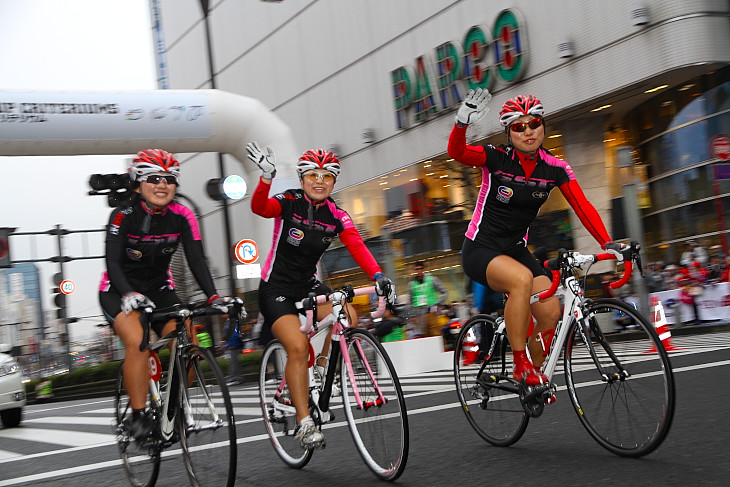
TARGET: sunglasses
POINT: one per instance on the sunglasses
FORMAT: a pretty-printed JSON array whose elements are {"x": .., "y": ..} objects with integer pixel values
[
  {"x": 327, "y": 177},
  {"x": 522, "y": 126},
  {"x": 157, "y": 179}
]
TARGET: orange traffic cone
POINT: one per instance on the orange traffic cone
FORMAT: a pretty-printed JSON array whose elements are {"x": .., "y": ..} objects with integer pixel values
[
  {"x": 659, "y": 320},
  {"x": 469, "y": 348}
]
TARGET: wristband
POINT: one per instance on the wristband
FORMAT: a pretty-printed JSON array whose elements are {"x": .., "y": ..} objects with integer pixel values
[{"x": 378, "y": 275}]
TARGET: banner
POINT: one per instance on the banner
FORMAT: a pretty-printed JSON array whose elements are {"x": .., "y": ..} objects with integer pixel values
[
  {"x": 714, "y": 304},
  {"x": 103, "y": 116}
]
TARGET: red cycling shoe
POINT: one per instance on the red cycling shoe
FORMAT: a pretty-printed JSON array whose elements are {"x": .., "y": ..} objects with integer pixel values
[{"x": 527, "y": 373}]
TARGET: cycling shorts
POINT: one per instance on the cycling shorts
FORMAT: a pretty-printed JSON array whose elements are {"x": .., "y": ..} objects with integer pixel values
[
  {"x": 111, "y": 304},
  {"x": 475, "y": 258},
  {"x": 276, "y": 301}
]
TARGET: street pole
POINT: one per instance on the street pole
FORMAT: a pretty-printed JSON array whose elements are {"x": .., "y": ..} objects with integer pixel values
[
  {"x": 634, "y": 224},
  {"x": 62, "y": 310},
  {"x": 221, "y": 169}
]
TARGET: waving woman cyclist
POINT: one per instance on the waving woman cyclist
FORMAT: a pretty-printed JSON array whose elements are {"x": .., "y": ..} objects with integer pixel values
[
  {"x": 141, "y": 238},
  {"x": 516, "y": 180},
  {"x": 306, "y": 222}
]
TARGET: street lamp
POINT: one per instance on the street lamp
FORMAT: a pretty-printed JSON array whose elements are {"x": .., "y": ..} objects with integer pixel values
[{"x": 204, "y": 4}]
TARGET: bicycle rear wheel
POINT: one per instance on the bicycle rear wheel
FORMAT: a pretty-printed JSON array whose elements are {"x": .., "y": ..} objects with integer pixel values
[
  {"x": 205, "y": 422},
  {"x": 488, "y": 398},
  {"x": 629, "y": 410},
  {"x": 141, "y": 463},
  {"x": 378, "y": 423},
  {"x": 280, "y": 417}
]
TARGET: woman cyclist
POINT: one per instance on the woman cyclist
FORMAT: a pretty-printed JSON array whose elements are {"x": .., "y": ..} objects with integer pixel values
[
  {"x": 306, "y": 222},
  {"x": 516, "y": 181},
  {"x": 141, "y": 238}
]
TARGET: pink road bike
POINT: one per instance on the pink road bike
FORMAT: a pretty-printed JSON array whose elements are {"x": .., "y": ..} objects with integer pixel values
[{"x": 359, "y": 369}]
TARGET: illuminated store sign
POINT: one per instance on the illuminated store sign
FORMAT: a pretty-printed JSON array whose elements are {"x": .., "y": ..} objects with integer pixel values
[{"x": 476, "y": 62}]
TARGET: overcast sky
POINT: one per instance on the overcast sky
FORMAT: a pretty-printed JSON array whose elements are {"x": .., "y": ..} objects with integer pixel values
[{"x": 68, "y": 45}]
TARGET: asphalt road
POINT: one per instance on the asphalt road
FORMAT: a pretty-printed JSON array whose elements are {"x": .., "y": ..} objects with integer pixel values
[{"x": 56, "y": 444}]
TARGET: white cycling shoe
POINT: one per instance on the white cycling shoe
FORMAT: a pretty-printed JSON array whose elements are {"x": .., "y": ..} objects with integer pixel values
[{"x": 308, "y": 435}]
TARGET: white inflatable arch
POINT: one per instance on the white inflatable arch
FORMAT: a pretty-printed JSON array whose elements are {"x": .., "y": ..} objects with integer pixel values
[{"x": 89, "y": 123}]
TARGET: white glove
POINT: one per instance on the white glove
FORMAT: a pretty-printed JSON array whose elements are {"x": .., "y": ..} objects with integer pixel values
[
  {"x": 384, "y": 287},
  {"x": 133, "y": 300},
  {"x": 267, "y": 163},
  {"x": 474, "y": 107}
]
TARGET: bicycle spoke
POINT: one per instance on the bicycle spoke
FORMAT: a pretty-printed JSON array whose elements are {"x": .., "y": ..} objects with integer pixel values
[
  {"x": 628, "y": 407},
  {"x": 488, "y": 398},
  {"x": 279, "y": 414},
  {"x": 206, "y": 426},
  {"x": 141, "y": 463},
  {"x": 374, "y": 405}
]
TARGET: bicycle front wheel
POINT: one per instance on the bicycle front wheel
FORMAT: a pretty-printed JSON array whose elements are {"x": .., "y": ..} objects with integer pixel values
[
  {"x": 621, "y": 385},
  {"x": 141, "y": 462},
  {"x": 205, "y": 422},
  {"x": 482, "y": 371},
  {"x": 280, "y": 417},
  {"x": 374, "y": 405}
]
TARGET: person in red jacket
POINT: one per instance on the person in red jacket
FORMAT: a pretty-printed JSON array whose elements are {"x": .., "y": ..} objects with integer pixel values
[
  {"x": 307, "y": 220},
  {"x": 516, "y": 181}
]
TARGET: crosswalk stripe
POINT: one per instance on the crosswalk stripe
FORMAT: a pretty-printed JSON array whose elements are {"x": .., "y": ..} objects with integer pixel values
[
  {"x": 56, "y": 437},
  {"x": 101, "y": 420}
]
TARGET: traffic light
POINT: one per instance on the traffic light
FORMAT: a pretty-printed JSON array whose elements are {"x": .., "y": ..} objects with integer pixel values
[
  {"x": 59, "y": 299},
  {"x": 116, "y": 187},
  {"x": 232, "y": 187}
]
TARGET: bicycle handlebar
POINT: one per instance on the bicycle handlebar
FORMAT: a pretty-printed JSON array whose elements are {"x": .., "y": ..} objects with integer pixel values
[
  {"x": 569, "y": 260},
  {"x": 181, "y": 313},
  {"x": 346, "y": 293}
]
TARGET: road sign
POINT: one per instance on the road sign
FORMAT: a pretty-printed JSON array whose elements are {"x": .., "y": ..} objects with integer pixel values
[
  {"x": 67, "y": 286},
  {"x": 246, "y": 251}
]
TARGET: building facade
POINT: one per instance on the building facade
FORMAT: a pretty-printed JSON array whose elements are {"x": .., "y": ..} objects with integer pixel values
[{"x": 379, "y": 82}]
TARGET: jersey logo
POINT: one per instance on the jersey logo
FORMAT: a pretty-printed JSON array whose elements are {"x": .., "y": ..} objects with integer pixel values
[
  {"x": 295, "y": 237},
  {"x": 134, "y": 254},
  {"x": 280, "y": 299},
  {"x": 328, "y": 240},
  {"x": 504, "y": 194},
  {"x": 541, "y": 195},
  {"x": 168, "y": 250}
]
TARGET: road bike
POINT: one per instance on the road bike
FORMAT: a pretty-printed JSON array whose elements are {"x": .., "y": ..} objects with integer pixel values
[
  {"x": 621, "y": 385},
  {"x": 372, "y": 398},
  {"x": 199, "y": 417}
]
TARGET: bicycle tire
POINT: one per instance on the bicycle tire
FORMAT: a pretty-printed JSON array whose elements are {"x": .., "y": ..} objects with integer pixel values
[
  {"x": 280, "y": 417},
  {"x": 141, "y": 464},
  {"x": 380, "y": 431},
  {"x": 629, "y": 417},
  {"x": 206, "y": 423},
  {"x": 496, "y": 414}
]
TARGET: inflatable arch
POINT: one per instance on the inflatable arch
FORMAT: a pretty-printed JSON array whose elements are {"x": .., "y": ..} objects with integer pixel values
[{"x": 68, "y": 123}]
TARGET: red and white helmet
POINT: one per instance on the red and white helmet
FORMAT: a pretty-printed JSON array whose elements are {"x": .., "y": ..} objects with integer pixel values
[
  {"x": 318, "y": 159},
  {"x": 518, "y": 106},
  {"x": 151, "y": 161}
]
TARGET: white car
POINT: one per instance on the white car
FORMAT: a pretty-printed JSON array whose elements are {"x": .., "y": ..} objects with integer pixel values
[{"x": 12, "y": 390}]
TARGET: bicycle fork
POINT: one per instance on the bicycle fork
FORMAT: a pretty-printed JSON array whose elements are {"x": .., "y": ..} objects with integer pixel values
[{"x": 587, "y": 325}]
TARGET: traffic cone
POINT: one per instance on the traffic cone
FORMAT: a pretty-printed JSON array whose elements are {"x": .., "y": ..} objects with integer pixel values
[
  {"x": 469, "y": 348},
  {"x": 659, "y": 320}
]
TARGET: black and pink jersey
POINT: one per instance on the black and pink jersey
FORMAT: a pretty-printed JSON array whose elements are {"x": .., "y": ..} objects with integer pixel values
[
  {"x": 509, "y": 198},
  {"x": 508, "y": 203},
  {"x": 302, "y": 233},
  {"x": 140, "y": 245}
]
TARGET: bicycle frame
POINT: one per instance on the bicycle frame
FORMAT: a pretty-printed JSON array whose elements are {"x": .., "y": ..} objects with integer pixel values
[
  {"x": 176, "y": 395},
  {"x": 339, "y": 322}
]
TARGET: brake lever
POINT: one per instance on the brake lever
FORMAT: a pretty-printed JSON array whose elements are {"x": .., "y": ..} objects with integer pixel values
[{"x": 636, "y": 256}]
